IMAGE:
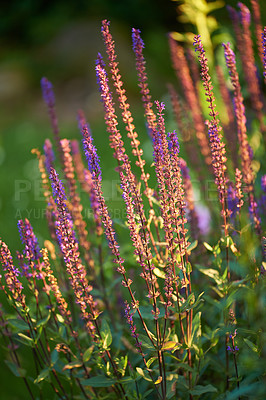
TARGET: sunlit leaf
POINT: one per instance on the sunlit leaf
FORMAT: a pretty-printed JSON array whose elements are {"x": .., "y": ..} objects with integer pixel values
[
  {"x": 88, "y": 353},
  {"x": 73, "y": 364},
  {"x": 106, "y": 334},
  {"x": 43, "y": 375},
  {"x": 208, "y": 247},
  {"x": 159, "y": 380}
]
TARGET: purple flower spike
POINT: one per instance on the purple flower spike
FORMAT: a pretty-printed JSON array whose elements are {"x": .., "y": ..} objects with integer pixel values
[
  {"x": 129, "y": 318},
  {"x": 91, "y": 154},
  {"x": 138, "y": 43},
  {"x": 47, "y": 92},
  {"x": 173, "y": 143},
  {"x": 28, "y": 238},
  {"x": 58, "y": 189},
  {"x": 264, "y": 52},
  {"x": 49, "y": 155},
  {"x": 244, "y": 13},
  {"x": 232, "y": 201}
]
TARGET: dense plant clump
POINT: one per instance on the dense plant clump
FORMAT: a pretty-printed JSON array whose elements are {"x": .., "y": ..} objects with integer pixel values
[{"x": 179, "y": 313}]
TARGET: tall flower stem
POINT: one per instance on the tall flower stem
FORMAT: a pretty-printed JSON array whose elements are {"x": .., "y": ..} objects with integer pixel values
[
  {"x": 182, "y": 71},
  {"x": 93, "y": 162},
  {"x": 111, "y": 119},
  {"x": 49, "y": 98},
  {"x": 218, "y": 157}
]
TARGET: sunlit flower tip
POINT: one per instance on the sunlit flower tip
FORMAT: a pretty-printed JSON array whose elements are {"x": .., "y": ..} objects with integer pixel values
[
  {"x": 229, "y": 55},
  {"x": 48, "y": 93},
  {"x": 82, "y": 122},
  {"x": 198, "y": 44},
  {"x": 105, "y": 25},
  {"x": 245, "y": 15},
  {"x": 160, "y": 105}
]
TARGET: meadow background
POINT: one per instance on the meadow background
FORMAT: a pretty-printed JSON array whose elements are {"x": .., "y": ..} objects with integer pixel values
[{"x": 60, "y": 40}]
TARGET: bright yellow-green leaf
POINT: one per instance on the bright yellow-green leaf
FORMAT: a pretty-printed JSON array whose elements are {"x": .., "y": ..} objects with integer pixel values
[{"x": 159, "y": 380}]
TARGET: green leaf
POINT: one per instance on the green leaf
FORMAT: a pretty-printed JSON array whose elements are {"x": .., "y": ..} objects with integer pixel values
[
  {"x": 143, "y": 374},
  {"x": 15, "y": 369},
  {"x": 208, "y": 247},
  {"x": 88, "y": 353},
  {"x": 60, "y": 318},
  {"x": 146, "y": 343},
  {"x": 146, "y": 312},
  {"x": 199, "y": 390},
  {"x": 189, "y": 267},
  {"x": 158, "y": 272},
  {"x": 54, "y": 357},
  {"x": 190, "y": 302},
  {"x": 243, "y": 390},
  {"x": 19, "y": 324},
  {"x": 98, "y": 381},
  {"x": 150, "y": 361},
  {"x": 171, "y": 345},
  {"x": 251, "y": 345},
  {"x": 126, "y": 379},
  {"x": 192, "y": 246},
  {"x": 185, "y": 366},
  {"x": 73, "y": 364},
  {"x": 43, "y": 375},
  {"x": 212, "y": 273},
  {"x": 106, "y": 335},
  {"x": 158, "y": 380},
  {"x": 196, "y": 327},
  {"x": 44, "y": 321},
  {"x": 28, "y": 341}
]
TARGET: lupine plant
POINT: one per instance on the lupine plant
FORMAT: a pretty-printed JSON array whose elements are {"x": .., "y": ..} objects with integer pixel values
[{"x": 178, "y": 313}]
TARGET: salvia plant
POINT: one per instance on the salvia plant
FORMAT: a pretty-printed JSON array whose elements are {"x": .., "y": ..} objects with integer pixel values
[{"x": 179, "y": 313}]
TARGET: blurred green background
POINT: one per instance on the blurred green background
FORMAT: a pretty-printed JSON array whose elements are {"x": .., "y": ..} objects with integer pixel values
[{"x": 60, "y": 40}]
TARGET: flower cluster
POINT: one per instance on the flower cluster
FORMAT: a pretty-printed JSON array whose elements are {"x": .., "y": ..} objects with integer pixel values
[{"x": 31, "y": 251}]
